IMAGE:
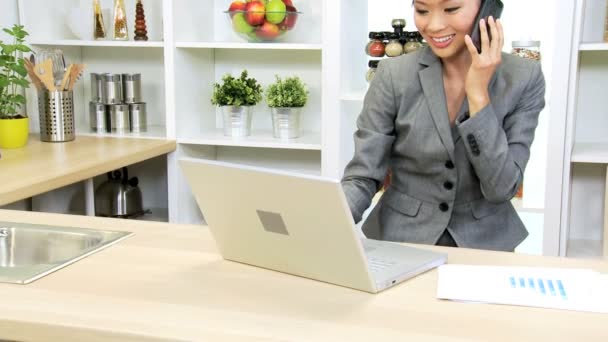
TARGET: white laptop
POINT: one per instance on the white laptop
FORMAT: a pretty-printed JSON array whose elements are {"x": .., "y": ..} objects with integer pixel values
[{"x": 297, "y": 224}]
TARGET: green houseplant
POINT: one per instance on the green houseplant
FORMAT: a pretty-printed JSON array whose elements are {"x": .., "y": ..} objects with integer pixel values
[
  {"x": 236, "y": 98},
  {"x": 286, "y": 99},
  {"x": 13, "y": 125}
]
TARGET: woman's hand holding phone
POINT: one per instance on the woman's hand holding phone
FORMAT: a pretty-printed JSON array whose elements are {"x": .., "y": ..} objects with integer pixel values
[{"x": 483, "y": 64}]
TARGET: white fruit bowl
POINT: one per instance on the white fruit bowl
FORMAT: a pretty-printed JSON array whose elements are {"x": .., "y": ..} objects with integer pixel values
[{"x": 262, "y": 26}]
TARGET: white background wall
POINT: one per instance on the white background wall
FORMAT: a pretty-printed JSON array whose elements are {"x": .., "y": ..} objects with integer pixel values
[{"x": 521, "y": 19}]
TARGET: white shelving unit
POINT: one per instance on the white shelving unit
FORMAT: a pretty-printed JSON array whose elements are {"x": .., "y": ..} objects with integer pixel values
[
  {"x": 577, "y": 186},
  {"x": 192, "y": 46}
]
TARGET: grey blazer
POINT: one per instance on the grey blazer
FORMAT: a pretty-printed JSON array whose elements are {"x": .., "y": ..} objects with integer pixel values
[{"x": 459, "y": 178}]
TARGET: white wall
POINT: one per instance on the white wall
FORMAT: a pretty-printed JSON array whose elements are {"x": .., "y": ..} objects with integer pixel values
[{"x": 520, "y": 19}]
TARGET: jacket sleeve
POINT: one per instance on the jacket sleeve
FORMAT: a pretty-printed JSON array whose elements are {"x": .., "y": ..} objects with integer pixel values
[
  {"x": 499, "y": 151},
  {"x": 373, "y": 141}
]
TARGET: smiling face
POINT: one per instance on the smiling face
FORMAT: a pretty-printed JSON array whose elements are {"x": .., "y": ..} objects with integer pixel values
[{"x": 445, "y": 23}]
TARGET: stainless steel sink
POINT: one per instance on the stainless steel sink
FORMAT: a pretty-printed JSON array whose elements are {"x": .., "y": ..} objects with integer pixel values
[{"x": 29, "y": 252}]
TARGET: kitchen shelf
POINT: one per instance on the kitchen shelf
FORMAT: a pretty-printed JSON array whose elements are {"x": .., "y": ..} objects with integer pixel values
[
  {"x": 593, "y": 46},
  {"x": 258, "y": 138},
  {"x": 153, "y": 132},
  {"x": 250, "y": 46},
  {"x": 590, "y": 153},
  {"x": 109, "y": 43}
]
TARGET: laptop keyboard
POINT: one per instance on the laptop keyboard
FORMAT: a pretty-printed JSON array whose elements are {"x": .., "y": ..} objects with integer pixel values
[{"x": 376, "y": 265}]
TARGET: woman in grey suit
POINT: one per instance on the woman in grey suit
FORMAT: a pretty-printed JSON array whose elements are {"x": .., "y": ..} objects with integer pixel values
[{"x": 455, "y": 127}]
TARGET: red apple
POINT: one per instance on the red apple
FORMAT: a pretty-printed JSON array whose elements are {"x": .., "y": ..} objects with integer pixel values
[
  {"x": 255, "y": 12},
  {"x": 237, "y": 5},
  {"x": 290, "y": 19},
  {"x": 268, "y": 31},
  {"x": 288, "y": 2}
]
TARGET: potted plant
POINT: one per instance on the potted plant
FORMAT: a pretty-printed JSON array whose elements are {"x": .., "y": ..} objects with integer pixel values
[
  {"x": 286, "y": 99},
  {"x": 236, "y": 98},
  {"x": 14, "y": 127}
]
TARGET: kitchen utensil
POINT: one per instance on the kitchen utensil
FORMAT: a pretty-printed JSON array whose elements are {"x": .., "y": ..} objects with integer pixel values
[
  {"x": 29, "y": 67},
  {"x": 137, "y": 117},
  {"x": 44, "y": 71},
  {"x": 57, "y": 63},
  {"x": 119, "y": 196},
  {"x": 66, "y": 78},
  {"x": 131, "y": 88},
  {"x": 56, "y": 110},
  {"x": 75, "y": 75}
]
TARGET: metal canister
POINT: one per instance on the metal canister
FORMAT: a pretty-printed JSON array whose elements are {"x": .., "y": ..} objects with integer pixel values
[
  {"x": 131, "y": 87},
  {"x": 111, "y": 90},
  {"x": 96, "y": 87},
  {"x": 98, "y": 117},
  {"x": 119, "y": 118},
  {"x": 137, "y": 115}
]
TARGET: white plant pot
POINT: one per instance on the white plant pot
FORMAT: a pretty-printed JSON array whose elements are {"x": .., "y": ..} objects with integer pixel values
[{"x": 285, "y": 122}]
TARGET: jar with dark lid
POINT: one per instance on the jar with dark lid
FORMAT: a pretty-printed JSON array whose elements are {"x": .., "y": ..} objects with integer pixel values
[
  {"x": 398, "y": 25},
  {"x": 371, "y": 40},
  {"x": 373, "y": 64},
  {"x": 376, "y": 48},
  {"x": 394, "y": 47},
  {"x": 413, "y": 43}
]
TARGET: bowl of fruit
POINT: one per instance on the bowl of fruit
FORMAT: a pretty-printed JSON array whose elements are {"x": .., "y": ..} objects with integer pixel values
[{"x": 262, "y": 20}]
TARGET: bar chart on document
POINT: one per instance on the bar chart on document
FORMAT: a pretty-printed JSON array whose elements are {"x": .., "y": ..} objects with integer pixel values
[{"x": 568, "y": 289}]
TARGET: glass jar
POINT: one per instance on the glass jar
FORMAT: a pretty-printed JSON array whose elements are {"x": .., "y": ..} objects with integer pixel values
[
  {"x": 120, "y": 21},
  {"x": 526, "y": 48},
  {"x": 376, "y": 48},
  {"x": 398, "y": 26},
  {"x": 412, "y": 43},
  {"x": 394, "y": 48},
  {"x": 99, "y": 29},
  {"x": 371, "y": 40},
  {"x": 371, "y": 72}
]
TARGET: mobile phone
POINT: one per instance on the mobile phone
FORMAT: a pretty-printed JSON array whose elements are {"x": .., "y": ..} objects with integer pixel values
[{"x": 488, "y": 8}]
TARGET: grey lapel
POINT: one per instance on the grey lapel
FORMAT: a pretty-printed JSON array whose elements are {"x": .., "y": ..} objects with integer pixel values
[{"x": 431, "y": 79}]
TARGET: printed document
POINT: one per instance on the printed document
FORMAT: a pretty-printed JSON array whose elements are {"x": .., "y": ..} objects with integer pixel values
[{"x": 557, "y": 288}]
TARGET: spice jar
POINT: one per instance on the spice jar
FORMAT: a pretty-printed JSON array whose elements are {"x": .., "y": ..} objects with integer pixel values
[
  {"x": 371, "y": 72},
  {"x": 526, "y": 48},
  {"x": 411, "y": 45},
  {"x": 398, "y": 26},
  {"x": 394, "y": 48},
  {"x": 371, "y": 40},
  {"x": 376, "y": 48}
]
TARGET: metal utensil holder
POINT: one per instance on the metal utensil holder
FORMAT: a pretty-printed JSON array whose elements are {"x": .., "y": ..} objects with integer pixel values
[{"x": 56, "y": 110}]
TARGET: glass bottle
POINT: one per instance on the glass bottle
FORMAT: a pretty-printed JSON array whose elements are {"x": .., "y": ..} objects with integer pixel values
[
  {"x": 393, "y": 48},
  {"x": 99, "y": 29},
  {"x": 120, "y": 21},
  {"x": 371, "y": 72},
  {"x": 526, "y": 48}
]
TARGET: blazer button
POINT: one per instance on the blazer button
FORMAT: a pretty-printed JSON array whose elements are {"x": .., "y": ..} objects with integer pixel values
[
  {"x": 448, "y": 185},
  {"x": 449, "y": 165},
  {"x": 471, "y": 137},
  {"x": 444, "y": 206}
]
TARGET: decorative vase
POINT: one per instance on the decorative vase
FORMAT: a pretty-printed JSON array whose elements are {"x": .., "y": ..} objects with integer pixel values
[
  {"x": 237, "y": 120},
  {"x": 286, "y": 122},
  {"x": 14, "y": 132}
]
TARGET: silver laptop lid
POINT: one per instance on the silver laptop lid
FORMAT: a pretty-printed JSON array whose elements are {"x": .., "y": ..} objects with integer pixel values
[{"x": 281, "y": 221}]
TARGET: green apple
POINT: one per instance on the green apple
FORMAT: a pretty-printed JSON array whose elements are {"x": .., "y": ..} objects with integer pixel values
[
  {"x": 275, "y": 11},
  {"x": 240, "y": 25}
]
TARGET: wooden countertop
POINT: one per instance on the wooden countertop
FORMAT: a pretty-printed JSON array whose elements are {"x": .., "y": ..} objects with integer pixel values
[
  {"x": 168, "y": 282},
  {"x": 40, "y": 167}
]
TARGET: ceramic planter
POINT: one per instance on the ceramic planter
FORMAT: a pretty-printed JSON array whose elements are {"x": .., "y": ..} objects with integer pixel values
[{"x": 13, "y": 132}]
